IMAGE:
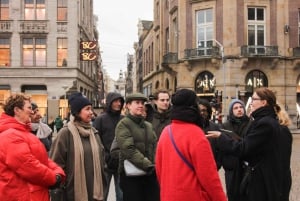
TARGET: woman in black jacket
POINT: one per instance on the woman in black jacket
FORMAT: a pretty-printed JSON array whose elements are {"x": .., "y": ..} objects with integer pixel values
[{"x": 258, "y": 151}]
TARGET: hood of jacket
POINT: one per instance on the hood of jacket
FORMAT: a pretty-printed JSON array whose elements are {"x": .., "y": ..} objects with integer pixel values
[
  {"x": 7, "y": 122},
  {"x": 110, "y": 98}
]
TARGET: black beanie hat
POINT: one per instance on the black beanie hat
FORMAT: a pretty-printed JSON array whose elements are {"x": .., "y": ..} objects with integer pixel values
[
  {"x": 184, "y": 97},
  {"x": 77, "y": 101}
]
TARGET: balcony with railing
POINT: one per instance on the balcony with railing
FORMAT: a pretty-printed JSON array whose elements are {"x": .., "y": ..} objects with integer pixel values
[
  {"x": 201, "y": 53},
  {"x": 259, "y": 51},
  {"x": 6, "y": 26},
  {"x": 296, "y": 52},
  {"x": 33, "y": 26},
  {"x": 170, "y": 58},
  {"x": 62, "y": 27}
]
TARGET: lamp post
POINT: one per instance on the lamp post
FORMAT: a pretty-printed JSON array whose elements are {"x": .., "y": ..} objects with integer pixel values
[{"x": 224, "y": 79}]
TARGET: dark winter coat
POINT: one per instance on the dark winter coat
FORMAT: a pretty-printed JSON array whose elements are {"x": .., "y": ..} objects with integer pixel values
[
  {"x": 286, "y": 151},
  {"x": 106, "y": 124},
  {"x": 133, "y": 136},
  {"x": 159, "y": 120},
  {"x": 259, "y": 148}
]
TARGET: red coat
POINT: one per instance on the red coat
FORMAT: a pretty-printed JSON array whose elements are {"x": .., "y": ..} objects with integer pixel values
[
  {"x": 26, "y": 172},
  {"x": 177, "y": 181}
]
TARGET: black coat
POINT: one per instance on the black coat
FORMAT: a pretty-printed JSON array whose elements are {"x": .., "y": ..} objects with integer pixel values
[{"x": 259, "y": 148}]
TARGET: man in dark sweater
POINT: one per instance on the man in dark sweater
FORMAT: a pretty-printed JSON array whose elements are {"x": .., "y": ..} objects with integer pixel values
[{"x": 106, "y": 123}]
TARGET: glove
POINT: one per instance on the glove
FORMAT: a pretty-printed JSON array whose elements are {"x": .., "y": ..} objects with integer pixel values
[{"x": 57, "y": 183}]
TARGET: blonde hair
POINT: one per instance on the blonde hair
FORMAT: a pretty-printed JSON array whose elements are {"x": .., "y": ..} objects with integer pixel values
[{"x": 284, "y": 118}]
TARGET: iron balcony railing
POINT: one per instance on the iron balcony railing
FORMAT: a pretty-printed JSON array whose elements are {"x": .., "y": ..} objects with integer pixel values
[
  {"x": 170, "y": 58},
  {"x": 259, "y": 50},
  {"x": 202, "y": 52}
]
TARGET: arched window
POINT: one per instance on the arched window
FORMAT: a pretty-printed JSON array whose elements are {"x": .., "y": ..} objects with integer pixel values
[
  {"x": 205, "y": 83},
  {"x": 167, "y": 84},
  {"x": 255, "y": 79},
  {"x": 157, "y": 85}
]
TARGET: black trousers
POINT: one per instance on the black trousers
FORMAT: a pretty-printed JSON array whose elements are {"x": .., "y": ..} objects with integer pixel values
[{"x": 140, "y": 188}]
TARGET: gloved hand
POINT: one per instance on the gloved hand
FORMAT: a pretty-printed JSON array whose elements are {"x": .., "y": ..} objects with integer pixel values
[
  {"x": 151, "y": 169},
  {"x": 58, "y": 182}
]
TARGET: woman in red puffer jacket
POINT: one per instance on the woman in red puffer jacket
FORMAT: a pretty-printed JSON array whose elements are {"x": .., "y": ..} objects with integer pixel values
[{"x": 26, "y": 172}]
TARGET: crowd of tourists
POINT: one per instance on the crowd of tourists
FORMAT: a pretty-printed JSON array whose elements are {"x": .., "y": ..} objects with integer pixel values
[{"x": 159, "y": 148}]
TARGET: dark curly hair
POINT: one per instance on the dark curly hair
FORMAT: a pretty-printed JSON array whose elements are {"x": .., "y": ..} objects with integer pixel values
[{"x": 15, "y": 100}]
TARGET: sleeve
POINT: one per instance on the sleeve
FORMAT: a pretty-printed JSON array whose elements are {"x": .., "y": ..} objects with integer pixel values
[
  {"x": 206, "y": 170},
  {"x": 20, "y": 158}
]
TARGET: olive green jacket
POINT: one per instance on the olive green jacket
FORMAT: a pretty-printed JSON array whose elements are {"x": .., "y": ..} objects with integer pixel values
[{"x": 137, "y": 142}]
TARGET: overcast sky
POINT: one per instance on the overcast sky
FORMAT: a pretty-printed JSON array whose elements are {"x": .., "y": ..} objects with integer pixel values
[{"x": 117, "y": 26}]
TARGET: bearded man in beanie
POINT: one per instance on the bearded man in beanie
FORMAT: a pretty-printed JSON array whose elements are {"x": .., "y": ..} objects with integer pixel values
[
  {"x": 78, "y": 150},
  {"x": 137, "y": 142},
  {"x": 238, "y": 123},
  {"x": 106, "y": 124},
  {"x": 185, "y": 165}
]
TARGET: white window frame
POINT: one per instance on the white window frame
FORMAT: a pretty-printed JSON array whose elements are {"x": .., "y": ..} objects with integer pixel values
[{"x": 205, "y": 42}]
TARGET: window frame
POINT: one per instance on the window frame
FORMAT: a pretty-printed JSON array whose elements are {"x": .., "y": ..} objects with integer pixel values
[
  {"x": 3, "y": 48},
  {"x": 5, "y": 7},
  {"x": 35, "y": 48},
  {"x": 204, "y": 45},
  {"x": 257, "y": 25},
  {"x": 63, "y": 49},
  {"x": 35, "y": 10}
]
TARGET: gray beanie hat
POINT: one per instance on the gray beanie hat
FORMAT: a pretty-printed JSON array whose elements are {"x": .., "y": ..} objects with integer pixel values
[{"x": 234, "y": 101}]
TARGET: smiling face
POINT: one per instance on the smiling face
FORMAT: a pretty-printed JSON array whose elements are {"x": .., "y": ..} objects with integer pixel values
[
  {"x": 24, "y": 114},
  {"x": 86, "y": 114},
  {"x": 136, "y": 107}
]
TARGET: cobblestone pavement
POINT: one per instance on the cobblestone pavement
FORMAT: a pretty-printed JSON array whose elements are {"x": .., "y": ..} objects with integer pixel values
[{"x": 295, "y": 166}]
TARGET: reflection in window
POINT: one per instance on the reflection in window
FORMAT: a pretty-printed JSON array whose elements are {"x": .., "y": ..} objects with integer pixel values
[
  {"x": 35, "y": 10},
  {"x": 62, "y": 51},
  {"x": 62, "y": 10},
  {"x": 34, "y": 51},
  {"x": 4, "y": 52},
  {"x": 204, "y": 31},
  {"x": 4, "y": 9}
]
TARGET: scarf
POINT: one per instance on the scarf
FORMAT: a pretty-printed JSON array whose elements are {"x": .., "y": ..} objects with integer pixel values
[
  {"x": 78, "y": 129},
  {"x": 43, "y": 130},
  {"x": 187, "y": 114}
]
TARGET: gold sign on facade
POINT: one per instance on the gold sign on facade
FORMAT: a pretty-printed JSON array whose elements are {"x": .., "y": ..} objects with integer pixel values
[{"x": 88, "y": 51}]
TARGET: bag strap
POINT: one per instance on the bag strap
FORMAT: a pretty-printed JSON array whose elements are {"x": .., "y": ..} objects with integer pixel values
[{"x": 178, "y": 151}]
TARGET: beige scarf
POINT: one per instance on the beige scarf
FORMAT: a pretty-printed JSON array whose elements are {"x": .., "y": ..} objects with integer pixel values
[{"x": 78, "y": 129}]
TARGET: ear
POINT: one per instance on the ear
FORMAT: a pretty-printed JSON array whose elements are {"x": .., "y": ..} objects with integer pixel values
[{"x": 264, "y": 102}]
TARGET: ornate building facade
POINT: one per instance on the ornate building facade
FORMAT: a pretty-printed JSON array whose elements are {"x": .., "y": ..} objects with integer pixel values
[
  {"x": 44, "y": 54},
  {"x": 224, "y": 49}
]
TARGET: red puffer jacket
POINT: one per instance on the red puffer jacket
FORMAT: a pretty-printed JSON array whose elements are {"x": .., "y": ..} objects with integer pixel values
[{"x": 26, "y": 172}]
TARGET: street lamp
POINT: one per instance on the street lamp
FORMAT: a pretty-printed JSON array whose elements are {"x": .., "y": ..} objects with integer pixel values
[{"x": 224, "y": 78}]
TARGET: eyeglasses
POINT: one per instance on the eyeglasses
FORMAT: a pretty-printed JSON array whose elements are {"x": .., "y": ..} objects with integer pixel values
[{"x": 254, "y": 99}]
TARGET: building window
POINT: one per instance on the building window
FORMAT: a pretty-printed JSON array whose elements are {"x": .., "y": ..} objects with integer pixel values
[
  {"x": 62, "y": 10},
  {"x": 204, "y": 21},
  {"x": 35, "y": 10},
  {"x": 4, "y": 52},
  {"x": 205, "y": 83},
  {"x": 62, "y": 51},
  {"x": 256, "y": 26},
  {"x": 34, "y": 51},
  {"x": 255, "y": 79},
  {"x": 4, "y": 9}
]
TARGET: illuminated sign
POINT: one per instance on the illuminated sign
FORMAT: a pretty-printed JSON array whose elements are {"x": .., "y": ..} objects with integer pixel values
[
  {"x": 88, "y": 51},
  {"x": 205, "y": 83}
]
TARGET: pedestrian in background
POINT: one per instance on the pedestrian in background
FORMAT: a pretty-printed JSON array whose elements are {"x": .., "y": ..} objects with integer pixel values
[
  {"x": 106, "y": 123},
  {"x": 58, "y": 123},
  {"x": 137, "y": 142},
  {"x": 259, "y": 150},
  {"x": 40, "y": 129},
  {"x": 78, "y": 150},
  {"x": 286, "y": 141},
  {"x": 205, "y": 110},
  {"x": 185, "y": 165},
  {"x": 26, "y": 172},
  {"x": 159, "y": 115},
  {"x": 237, "y": 125}
]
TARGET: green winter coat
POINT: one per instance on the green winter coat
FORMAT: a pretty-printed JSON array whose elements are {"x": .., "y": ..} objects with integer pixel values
[{"x": 132, "y": 135}]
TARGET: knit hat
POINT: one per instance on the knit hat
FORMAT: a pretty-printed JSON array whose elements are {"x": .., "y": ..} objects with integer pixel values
[
  {"x": 234, "y": 101},
  {"x": 184, "y": 97},
  {"x": 33, "y": 106},
  {"x": 136, "y": 96},
  {"x": 77, "y": 101}
]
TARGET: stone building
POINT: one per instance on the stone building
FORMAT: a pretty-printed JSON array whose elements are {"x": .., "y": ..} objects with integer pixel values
[
  {"x": 48, "y": 49},
  {"x": 224, "y": 49}
]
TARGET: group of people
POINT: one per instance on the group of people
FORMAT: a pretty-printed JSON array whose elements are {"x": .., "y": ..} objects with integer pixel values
[{"x": 171, "y": 139}]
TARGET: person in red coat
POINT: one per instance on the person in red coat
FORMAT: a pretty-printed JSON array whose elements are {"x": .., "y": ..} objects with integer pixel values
[
  {"x": 197, "y": 177},
  {"x": 26, "y": 172}
]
